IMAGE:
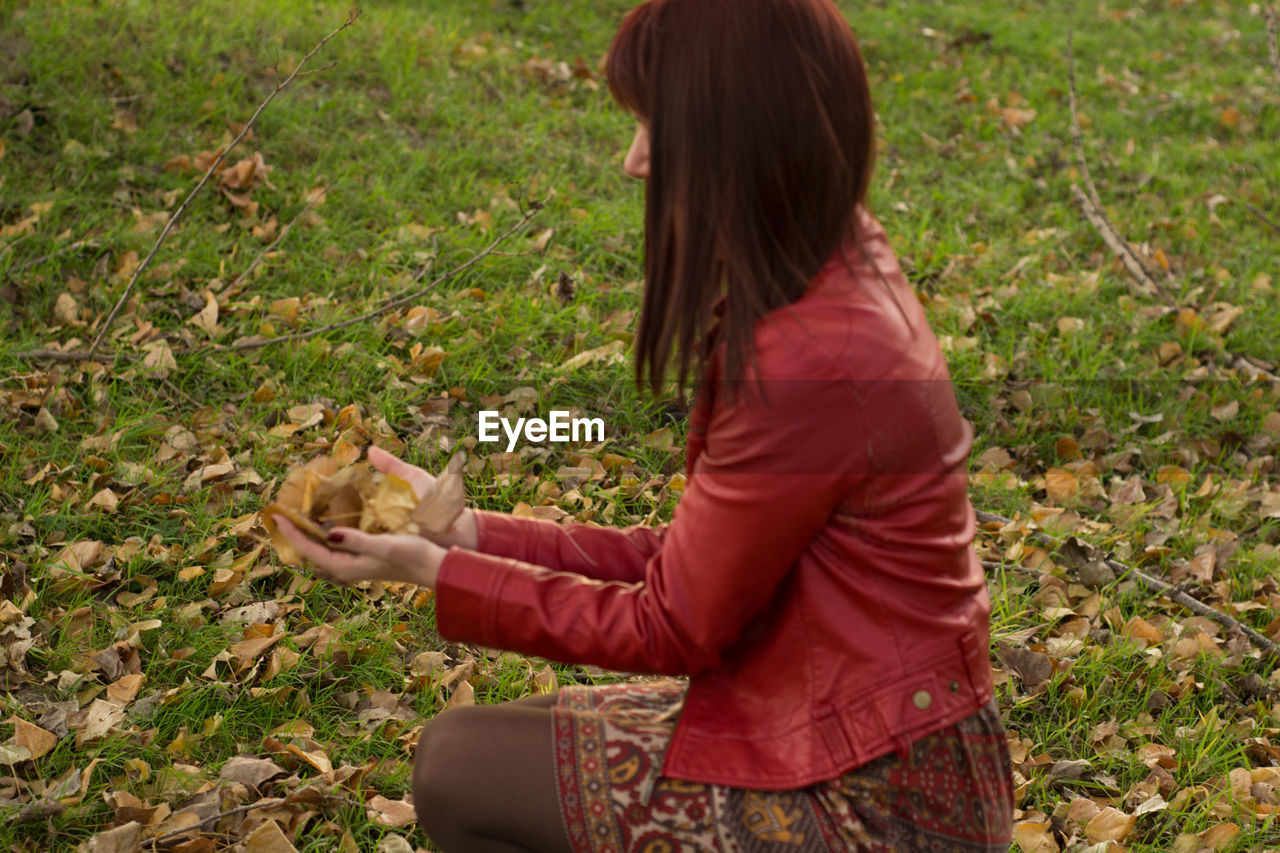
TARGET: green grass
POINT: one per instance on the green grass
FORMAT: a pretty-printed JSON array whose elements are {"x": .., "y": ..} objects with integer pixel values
[{"x": 418, "y": 114}]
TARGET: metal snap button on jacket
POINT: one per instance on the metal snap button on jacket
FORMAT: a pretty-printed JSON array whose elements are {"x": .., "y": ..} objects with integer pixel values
[{"x": 922, "y": 699}]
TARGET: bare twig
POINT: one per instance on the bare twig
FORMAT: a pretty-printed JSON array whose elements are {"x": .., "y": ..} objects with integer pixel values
[
  {"x": 204, "y": 179},
  {"x": 1091, "y": 203},
  {"x": 234, "y": 286},
  {"x": 395, "y": 302},
  {"x": 1153, "y": 583},
  {"x": 398, "y": 301},
  {"x": 183, "y": 394},
  {"x": 1275, "y": 226},
  {"x": 1273, "y": 38},
  {"x": 79, "y": 244},
  {"x": 59, "y": 355},
  {"x": 247, "y": 807}
]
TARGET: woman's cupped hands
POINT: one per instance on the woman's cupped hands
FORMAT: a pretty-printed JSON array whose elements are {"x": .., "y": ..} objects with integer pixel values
[{"x": 350, "y": 555}]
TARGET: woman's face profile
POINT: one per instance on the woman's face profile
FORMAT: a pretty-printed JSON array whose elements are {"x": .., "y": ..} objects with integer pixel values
[{"x": 636, "y": 163}]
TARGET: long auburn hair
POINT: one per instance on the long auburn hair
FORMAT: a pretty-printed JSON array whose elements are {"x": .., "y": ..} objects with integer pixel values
[{"x": 762, "y": 142}]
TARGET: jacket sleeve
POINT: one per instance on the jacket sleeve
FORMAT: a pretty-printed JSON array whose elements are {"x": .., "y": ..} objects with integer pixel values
[
  {"x": 763, "y": 488},
  {"x": 602, "y": 553}
]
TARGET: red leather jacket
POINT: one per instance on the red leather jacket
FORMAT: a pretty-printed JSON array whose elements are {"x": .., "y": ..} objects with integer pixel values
[{"x": 816, "y": 582}]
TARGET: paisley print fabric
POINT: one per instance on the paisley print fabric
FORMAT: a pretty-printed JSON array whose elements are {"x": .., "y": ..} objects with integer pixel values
[{"x": 953, "y": 792}]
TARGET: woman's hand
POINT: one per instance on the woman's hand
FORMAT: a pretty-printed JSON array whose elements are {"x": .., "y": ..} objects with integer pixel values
[
  {"x": 463, "y": 531},
  {"x": 355, "y": 556}
]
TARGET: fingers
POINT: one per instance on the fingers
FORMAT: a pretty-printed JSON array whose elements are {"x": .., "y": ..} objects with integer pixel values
[
  {"x": 353, "y": 541},
  {"x": 342, "y": 567},
  {"x": 388, "y": 464}
]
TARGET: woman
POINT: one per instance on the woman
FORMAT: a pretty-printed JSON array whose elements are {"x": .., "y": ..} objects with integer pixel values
[{"x": 816, "y": 584}]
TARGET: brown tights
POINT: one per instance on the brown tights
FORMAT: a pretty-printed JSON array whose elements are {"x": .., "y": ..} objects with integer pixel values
[{"x": 484, "y": 779}]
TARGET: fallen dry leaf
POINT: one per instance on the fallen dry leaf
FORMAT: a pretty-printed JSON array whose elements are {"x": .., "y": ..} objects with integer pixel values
[
  {"x": 392, "y": 813},
  {"x": 250, "y": 772},
  {"x": 34, "y": 739},
  {"x": 1110, "y": 824},
  {"x": 321, "y": 495},
  {"x": 268, "y": 838}
]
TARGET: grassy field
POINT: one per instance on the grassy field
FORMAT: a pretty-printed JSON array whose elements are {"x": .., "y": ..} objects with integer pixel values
[{"x": 151, "y": 637}]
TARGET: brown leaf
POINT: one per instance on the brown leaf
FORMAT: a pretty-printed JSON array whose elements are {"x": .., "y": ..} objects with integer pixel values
[
  {"x": 440, "y": 507},
  {"x": 104, "y": 499},
  {"x": 1061, "y": 485},
  {"x": 35, "y": 739},
  {"x": 1033, "y": 668},
  {"x": 250, "y": 772},
  {"x": 98, "y": 720},
  {"x": 315, "y": 757},
  {"x": 158, "y": 359},
  {"x": 392, "y": 813},
  {"x": 1175, "y": 475},
  {"x": 122, "y": 839},
  {"x": 45, "y": 421},
  {"x": 1140, "y": 629},
  {"x": 391, "y": 506},
  {"x": 1218, "y": 836},
  {"x": 1034, "y": 836},
  {"x": 463, "y": 694},
  {"x": 268, "y": 838},
  {"x": 66, "y": 310},
  {"x": 206, "y": 319},
  {"x": 125, "y": 689},
  {"x": 1110, "y": 824}
]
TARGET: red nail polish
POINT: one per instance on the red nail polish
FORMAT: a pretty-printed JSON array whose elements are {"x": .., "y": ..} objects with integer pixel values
[{"x": 336, "y": 537}]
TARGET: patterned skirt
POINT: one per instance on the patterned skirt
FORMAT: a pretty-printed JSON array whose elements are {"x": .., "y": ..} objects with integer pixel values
[{"x": 954, "y": 791}]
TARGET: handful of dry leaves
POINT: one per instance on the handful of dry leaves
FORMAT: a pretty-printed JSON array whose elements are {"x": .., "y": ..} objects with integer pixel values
[{"x": 321, "y": 495}]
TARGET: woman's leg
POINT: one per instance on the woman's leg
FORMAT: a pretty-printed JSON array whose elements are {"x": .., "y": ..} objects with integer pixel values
[{"x": 484, "y": 779}]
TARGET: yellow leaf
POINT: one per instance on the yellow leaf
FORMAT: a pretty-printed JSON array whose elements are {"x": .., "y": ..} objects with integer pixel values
[
  {"x": 1061, "y": 485},
  {"x": 125, "y": 689},
  {"x": 611, "y": 351},
  {"x": 390, "y": 507},
  {"x": 1110, "y": 824},
  {"x": 1230, "y": 118},
  {"x": 1174, "y": 475},
  {"x": 1141, "y": 629},
  {"x": 1033, "y": 836},
  {"x": 207, "y": 318}
]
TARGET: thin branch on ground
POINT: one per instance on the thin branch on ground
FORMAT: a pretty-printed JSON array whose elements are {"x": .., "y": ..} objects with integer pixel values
[
  {"x": 247, "y": 807},
  {"x": 1155, "y": 584},
  {"x": 234, "y": 286},
  {"x": 60, "y": 355},
  {"x": 183, "y": 394},
  {"x": 71, "y": 247},
  {"x": 1091, "y": 203},
  {"x": 1275, "y": 226},
  {"x": 204, "y": 179},
  {"x": 397, "y": 301}
]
